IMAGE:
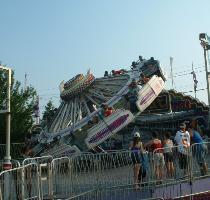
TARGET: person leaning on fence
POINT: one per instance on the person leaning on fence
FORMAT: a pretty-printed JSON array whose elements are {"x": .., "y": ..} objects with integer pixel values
[
  {"x": 182, "y": 139},
  {"x": 199, "y": 149},
  {"x": 168, "y": 154},
  {"x": 136, "y": 156},
  {"x": 157, "y": 148}
]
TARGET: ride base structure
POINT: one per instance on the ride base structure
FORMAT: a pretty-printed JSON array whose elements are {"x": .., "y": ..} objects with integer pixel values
[{"x": 79, "y": 124}]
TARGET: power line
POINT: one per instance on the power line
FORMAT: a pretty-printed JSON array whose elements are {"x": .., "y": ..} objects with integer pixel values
[
  {"x": 196, "y": 90},
  {"x": 189, "y": 70},
  {"x": 184, "y": 74}
]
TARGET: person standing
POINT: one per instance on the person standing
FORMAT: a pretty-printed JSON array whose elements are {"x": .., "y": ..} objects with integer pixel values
[
  {"x": 199, "y": 149},
  {"x": 136, "y": 156},
  {"x": 168, "y": 154},
  {"x": 182, "y": 139},
  {"x": 157, "y": 148}
]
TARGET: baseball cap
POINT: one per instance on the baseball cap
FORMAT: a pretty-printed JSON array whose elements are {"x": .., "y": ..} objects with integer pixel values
[{"x": 136, "y": 134}]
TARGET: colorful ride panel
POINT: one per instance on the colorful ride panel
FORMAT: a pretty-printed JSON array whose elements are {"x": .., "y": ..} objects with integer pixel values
[
  {"x": 149, "y": 92},
  {"x": 107, "y": 127},
  {"x": 76, "y": 85}
]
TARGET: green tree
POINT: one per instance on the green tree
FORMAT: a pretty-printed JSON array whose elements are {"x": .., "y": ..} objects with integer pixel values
[
  {"x": 22, "y": 103},
  {"x": 48, "y": 113}
]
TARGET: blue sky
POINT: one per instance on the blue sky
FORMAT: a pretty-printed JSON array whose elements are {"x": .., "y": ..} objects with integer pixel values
[{"x": 53, "y": 40}]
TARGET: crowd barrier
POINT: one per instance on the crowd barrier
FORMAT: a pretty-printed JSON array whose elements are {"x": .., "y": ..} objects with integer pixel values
[
  {"x": 20, "y": 183},
  {"x": 38, "y": 160},
  {"x": 61, "y": 177},
  {"x": 44, "y": 173},
  {"x": 107, "y": 176}
]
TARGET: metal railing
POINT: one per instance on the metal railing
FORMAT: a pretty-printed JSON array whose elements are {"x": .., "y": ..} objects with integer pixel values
[
  {"x": 62, "y": 182},
  {"x": 109, "y": 175},
  {"x": 38, "y": 160},
  {"x": 20, "y": 183}
]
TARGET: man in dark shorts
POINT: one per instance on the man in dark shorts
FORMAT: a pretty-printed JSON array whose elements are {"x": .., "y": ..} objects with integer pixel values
[{"x": 168, "y": 154}]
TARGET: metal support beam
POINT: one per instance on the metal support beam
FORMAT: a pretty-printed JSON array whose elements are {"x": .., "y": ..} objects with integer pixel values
[
  {"x": 203, "y": 37},
  {"x": 206, "y": 69},
  {"x": 7, "y": 159}
]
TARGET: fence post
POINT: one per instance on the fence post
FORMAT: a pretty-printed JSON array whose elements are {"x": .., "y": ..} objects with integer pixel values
[
  {"x": 7, "y": 185},
  {"x": 23, "y": 183},
  {"x": 38, "y": 181},
  {"x": 1, "y": 198},
  {"x": 50, "y": 169},
  {"x": 191, "y": 166}
]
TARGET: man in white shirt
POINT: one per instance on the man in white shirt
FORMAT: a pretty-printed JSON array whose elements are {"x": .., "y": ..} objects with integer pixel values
[{"x": 183, "y": 140}]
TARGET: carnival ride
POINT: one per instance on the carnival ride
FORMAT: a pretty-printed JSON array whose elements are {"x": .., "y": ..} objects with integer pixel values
[{"x": 74, "y": 128}]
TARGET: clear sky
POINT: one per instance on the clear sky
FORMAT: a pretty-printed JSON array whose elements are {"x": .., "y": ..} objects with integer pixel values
[{"x": 53, "y": 40}]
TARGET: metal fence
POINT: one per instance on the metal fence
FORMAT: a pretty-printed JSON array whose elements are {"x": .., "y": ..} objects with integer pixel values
[
  {"x": 109, "y": 176},
  {"x": 38, "y": 160},
  {"x": 44, "y": 173},
  {"x": 20, "y": 183},
  {"x": 61, "y": 177}
]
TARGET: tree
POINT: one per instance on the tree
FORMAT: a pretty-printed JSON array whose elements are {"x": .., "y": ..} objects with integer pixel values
[
  {"x": 22, "y": 103},
  {"x": 48, "y": 113}
]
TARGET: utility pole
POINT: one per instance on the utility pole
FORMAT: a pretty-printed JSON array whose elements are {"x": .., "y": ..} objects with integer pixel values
[
  {"x": 7, "y": 159},
  {"x": 207, "y": 73},
  {"x": 204, "y": 39},
  {"x": 172, "y": 78},
  {"x": 194, "y": 80},
  {"x": 205, "y": 44}
]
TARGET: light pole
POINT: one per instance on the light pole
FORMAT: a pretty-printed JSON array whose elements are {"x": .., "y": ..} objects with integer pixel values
[
  {"x": 206, "y": 46},
  {"x": 205, "y": 40},
  {"x": 7, "y": 159}
]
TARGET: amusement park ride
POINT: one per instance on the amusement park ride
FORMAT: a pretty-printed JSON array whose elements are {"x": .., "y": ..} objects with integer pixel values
[{"x": 79, "y": 124}]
